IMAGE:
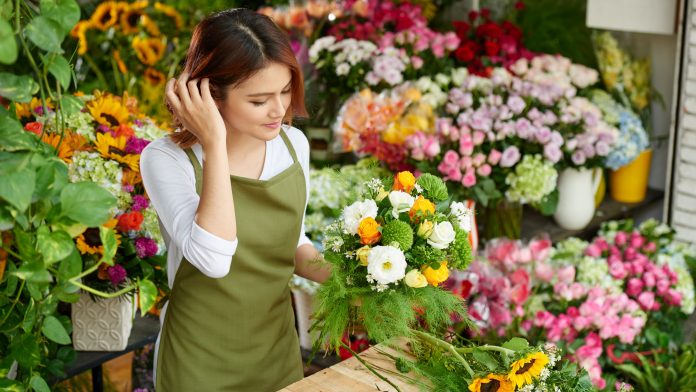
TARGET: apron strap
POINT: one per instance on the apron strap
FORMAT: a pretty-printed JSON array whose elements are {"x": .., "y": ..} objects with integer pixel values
[
  {"x": 288, "y": 144},
  {"x": 196, "y": 169}
]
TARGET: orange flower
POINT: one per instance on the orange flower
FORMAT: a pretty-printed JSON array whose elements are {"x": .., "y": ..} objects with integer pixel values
[
  {"x": 436, "y": 276},
  {"x": 119, "y": 62},
  {"x": 369, "y": 231},
  {"x": 130, "y": 221},
  {"x": 421, "y": 208},
  {"x": 124, "y": 130},
  {"x": 103, "y": 273},
  {"x": 131, "y": 177},
  {"x": 34, "y": 127},
  {"x": 404, "y": 181},
  {"x": 71, "y": 142},
  {"x": 298, "y": 18}
]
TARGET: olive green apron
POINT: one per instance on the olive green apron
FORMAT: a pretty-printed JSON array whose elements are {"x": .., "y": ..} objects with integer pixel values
[{"x": 237, "y": 333}]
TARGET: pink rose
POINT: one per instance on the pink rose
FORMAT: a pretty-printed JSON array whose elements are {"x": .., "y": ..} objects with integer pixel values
[
  {"x": 485, "y": 170},
  {"x": 649, "y": 279},
  {"x": 593, "y": 250},
  {"x": 621, "y": 238},
  {"x": 478, "y": 159},
  {"x": 543, "y": 272},
  {"x": 650, "y": 247},
  {"x": 673, "y": 297},
  {"x": 566, "y": 274},
  {"x": 479, "y": 137},
  {"x": 469, "y": 178},
  {"x": 494, "y": 157},
  {"x": 617, "y": 270},
  {"x": 646, "y": 300},
  {"x": 451, "y": 158},
  {"x": 637, "y": 240},
  {"x": 540, "y": 248},
  {"x": 417, "y": 62},
  {"x": 635, "y": 286}
]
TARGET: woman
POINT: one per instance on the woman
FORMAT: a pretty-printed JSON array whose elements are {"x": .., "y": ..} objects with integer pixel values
[{"x": 233, "y": 223}]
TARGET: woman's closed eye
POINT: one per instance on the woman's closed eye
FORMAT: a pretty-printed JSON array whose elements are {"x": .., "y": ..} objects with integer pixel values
[{"x": 261, "y": 103}]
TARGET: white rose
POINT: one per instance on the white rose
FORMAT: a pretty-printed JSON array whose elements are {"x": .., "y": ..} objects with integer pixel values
[
  {"x": 386, "y": 264},
  {"x": 354, "y": 213},
  {"x": 415, "y": 279},
  {"x": 401, "y": 202},
  {"x": 463, "y": 215},
  {"x": 443, "y": 234},
  {"x": 442, "y": 79}
]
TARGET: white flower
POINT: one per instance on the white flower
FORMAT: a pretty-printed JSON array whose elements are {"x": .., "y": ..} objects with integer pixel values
[
  {"x": 342, "y": 69},
  {"x": 354, "y": 213},
  {"x": 386, "y": 264},
  {"x": 415, "y": 279},
  {"x": 459, "y": 75},
  {"x": 401, "y": 202},
  {"x": 442, "y": 79},
  {"x": 319, "y": 45},
  {"x": 443, "y": 235},
  {"x": 463, "y": 215}
]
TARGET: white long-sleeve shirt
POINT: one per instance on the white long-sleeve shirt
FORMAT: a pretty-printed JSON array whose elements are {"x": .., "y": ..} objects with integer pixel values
[{"x": 171, "y": 185}]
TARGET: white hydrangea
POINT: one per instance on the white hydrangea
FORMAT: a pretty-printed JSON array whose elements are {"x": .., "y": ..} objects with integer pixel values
[
  {"x": 89, "y": 166},
  {"x": 148, "y": 130}
]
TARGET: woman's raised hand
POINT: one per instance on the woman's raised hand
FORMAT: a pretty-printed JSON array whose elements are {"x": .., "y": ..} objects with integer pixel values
[{"x": 195, "y": 108}]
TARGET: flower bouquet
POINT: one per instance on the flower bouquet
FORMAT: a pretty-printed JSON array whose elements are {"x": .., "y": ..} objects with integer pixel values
[
  {"x": 102, "y": 143},
  {"x": 390, "y": 250}
]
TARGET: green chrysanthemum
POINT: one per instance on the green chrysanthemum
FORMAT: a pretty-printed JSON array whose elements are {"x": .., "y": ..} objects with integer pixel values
[
  {"x": 433, "y": 187},
  {"x": 423, "y": 254},
  {"x": 460, "y": 250},
  {"x": 399, "y": 232}
]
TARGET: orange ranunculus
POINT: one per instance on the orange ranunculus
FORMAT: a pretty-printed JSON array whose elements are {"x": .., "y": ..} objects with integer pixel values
[
  {"x": 34, "y": 127},
  {"x": 369, "y": 231},
  {"x": 130, "y": 221},
  {"x": 436, "y": 276},
  {"x": 404, "y": 181},
  {"x": 421, "y": 208},
  {"x": 124, "y": 130}
]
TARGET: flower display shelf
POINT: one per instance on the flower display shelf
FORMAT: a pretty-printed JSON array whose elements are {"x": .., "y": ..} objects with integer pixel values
[{"x": 534, "y": 224}]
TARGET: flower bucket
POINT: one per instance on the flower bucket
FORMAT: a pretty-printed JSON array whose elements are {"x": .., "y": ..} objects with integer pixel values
[
  {"x": 577, "y": 189},
  {"x": 630, "y": 183},
  {"x": 502, "y": 218},
  {"x": 102, "y": 325},
  {"x": 601, "y": 190},
  {"x": 304, "y": 307}
]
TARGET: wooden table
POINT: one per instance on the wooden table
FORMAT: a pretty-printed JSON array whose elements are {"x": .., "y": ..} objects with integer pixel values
[{"x": 352, "y": 376}]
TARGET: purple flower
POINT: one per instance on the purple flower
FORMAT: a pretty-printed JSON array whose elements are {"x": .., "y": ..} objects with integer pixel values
[
  {"x": 136, "y": 145},
  {"x": 602, "y": 148},
  {"x": 117, "y": 274},
  {"x": 145, "y": 247},
  {"x": 510, "y": 157},
  {"x": 138, "y": 122},
  {"x": 552, "y": 152},
  {"x": 128, "y": 188},
  {"x": 523, "y": 128},
  {"x": 103, "y": 128},
  {"x": 140, "y": 202},
  {"x": 578, "y": 157},
  {"x": 516, "y": 104}
]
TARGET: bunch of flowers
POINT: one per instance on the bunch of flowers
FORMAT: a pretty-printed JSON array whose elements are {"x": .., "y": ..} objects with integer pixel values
[
  {"x": 370, "y": 20},
  {"x": 486, "y": 44},
  {"x": 102, "y": 144},
  {"x": 390, "y": 251},
  {"x": 130, "y": 47},
  {"x": 632, "y": 138},
  {"x": 621, "y": 294}
]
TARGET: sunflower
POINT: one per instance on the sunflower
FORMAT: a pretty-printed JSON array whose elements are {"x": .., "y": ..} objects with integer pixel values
[
  {"x": 89, "y": 241},
  {"x": 492, "y": 383},
  {"x": 148, "y": 50},
  {"x": 71, "y": 142},
  {"x": 170, "y": 12},
  {"x": 108, "y": 110},
  {"x": 106, "y": 15},
  {"x": 154, "y": 76},
  {"x": 150, "y": 26},
  {"x": 130, "y": 18},
  {"x": 119, "y": 62},
  {"x": 115, "y": 148},
  {"x": 22, "y": 110},
  {"x": 523, "y": 371},
  {"x": 36, "y": 104}
]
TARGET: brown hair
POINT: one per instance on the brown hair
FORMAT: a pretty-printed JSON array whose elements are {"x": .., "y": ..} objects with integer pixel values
[{"x": 231, "y": 46}]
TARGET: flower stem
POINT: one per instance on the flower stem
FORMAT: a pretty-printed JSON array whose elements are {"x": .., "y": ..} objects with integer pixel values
[
  {"x": 369, "y": 367},
  {"x": 444, "y": 345},
  {"x": 485, "y": 347}
]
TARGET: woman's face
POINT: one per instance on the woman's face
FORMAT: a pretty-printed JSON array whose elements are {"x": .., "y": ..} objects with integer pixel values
[{"x": 257, "y": 106}]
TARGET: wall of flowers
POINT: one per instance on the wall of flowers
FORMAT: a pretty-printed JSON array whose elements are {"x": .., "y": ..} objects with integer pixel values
[{"x": 439, "y": 125}]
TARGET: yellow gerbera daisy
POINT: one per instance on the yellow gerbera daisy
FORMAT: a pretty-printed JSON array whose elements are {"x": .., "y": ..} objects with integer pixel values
[
  {"x": 523, "y": 371},
  {"x": 148, "y": 50},
  {"x": 154, "y": 76},
  {"x": 108, "y": 110},
  {"x": 170, "y": 12},
  {"x": 115, "y": 148},
  {"x": 119, "y": 62},
  {"x": 492, "y": 383},
  {"x": 89, "y": 241},
  {"x": 105, "y": 16}
]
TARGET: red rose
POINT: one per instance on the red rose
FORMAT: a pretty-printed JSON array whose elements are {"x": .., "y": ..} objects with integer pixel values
[
  {"x": 519, "y": 5},
  {"x": 473, "y": 15},
  {"x": 466, "y": 52},
  {"x": 486, "y": 13},
  {"x": 461, "y": 28},
  {"x": 492, "y": 48},
  {"x": 34, "y": 127},
  {"x": 489, "y": 30},
  {"x": 130, "y": 221}
]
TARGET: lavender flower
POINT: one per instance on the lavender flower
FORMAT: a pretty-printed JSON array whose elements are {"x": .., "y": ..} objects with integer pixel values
[{"x": 510, "y": 157}]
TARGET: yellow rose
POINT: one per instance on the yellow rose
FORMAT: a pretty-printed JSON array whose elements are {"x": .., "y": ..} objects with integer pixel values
[
  {"x": 415, "y": 279},
  {"x": 362, "y": 254},
  {"x": 436, "y": 276},
  {"x": 369, "y": 231},
  {"x": 421, "y": 208},
  {"x": 425, "y": 229},
  {"x": 404, "y": 181}
]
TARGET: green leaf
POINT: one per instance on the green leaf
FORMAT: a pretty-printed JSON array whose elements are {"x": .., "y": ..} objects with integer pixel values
[
  {"x": 29, "y": 317},
  {"x": 17, "y": 188},
  {"x": 87, "y": 203},
  {"x": 548, "y": 203},
  {"x": 33, "y": 272},
  {"x": 56, "y": 367},
  {"x": 6, "y": 220},
  {"x": 70, "y": 104},
  {"x": 46, "y": 33},
  {"x": 108, "y": 239},
  {"x": 147, "y": 295},
  {"x": 39, "y": 384},
  {"x": 18, "y": 88},
  {"x": 53, "y": 329},
  {"x": 60, "y": 69},
  {"x": 54, "y": 246},
  {"x": 8, "y": 43},
  {"x": 35, "y": 290},
  {"x": 486, "y": 359},
  {"x": 10, "y": 386},
  {"x": 51, "y": 177},
  {"x": 9, "y": 125},
  {"x": 70, "y": 266},
  {"x": 25, "y": 350},
  {"x": 516, "y": 344},
  {"x": 66, "y": 354},
  {"x": 66, "y": 13}
]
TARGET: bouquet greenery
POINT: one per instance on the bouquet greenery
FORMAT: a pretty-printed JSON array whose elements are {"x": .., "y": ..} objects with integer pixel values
[{"x": 390, "y": 250}]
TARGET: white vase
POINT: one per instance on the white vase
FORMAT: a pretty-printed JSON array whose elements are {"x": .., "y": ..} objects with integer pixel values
[
  {"x": 102, "y": 325},
  {"x": 576, "y": 191},
  {"x": 304, "y": 307}
]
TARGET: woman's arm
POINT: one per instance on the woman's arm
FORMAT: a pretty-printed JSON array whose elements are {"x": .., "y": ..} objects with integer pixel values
[{"x": 310, "y": 265}]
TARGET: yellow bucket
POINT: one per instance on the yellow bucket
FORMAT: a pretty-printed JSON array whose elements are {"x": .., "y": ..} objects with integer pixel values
[{"x": 630, "y": 183}]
